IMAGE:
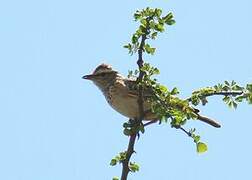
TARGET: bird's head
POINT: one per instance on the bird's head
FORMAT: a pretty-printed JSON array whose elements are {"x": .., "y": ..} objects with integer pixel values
[{"x": 102, "y": 75}]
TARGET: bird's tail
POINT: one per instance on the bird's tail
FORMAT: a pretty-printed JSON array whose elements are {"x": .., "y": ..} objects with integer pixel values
[{"x": 209, "y": 121}]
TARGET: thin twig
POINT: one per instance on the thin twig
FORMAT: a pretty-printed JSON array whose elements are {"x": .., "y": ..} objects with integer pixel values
[
  {"x": 150, "y": 122},
  {"x": 223, "y": 93},
  {"x": 185, "y": 131}
]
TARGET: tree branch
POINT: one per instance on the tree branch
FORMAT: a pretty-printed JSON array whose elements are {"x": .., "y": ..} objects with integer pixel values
[
  {"x": 223, "y": 93},
  {"x": 150, "y": 122},
  {"x": 130, "y": 151},
  {"x": 132, "y": 139},
  {"x": 185, "y": 131}
]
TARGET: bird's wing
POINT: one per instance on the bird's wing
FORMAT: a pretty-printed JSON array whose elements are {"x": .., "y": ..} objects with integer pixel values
[
  {"x": 133, "y": 89},
  {"x": 133, "y": 92}
]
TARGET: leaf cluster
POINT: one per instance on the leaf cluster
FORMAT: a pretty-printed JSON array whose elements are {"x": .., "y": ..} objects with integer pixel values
[
  {"x": 132, "y": 127},
  {"x": 200, "y": 146},
  {"x": 165, "y": 102},
  {"x": 133, "y": 167},
  {"x": 168, "y": 106},
  {"x": 247, "y": 94},
  {"x": 151, "y": 23},
  {"x": 118, "y": 158},
  {"x": 232, "y": 92}
]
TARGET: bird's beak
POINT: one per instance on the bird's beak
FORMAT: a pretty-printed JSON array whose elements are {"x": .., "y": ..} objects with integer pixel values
[{"x": 88, "y": 77}]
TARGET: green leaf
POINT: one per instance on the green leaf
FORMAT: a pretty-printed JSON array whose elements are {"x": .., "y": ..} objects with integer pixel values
[
  {"x": 127, "y": 125},
  {"x": 234, "y": 104},
  {"x": 195, "y": 99},
  {"x": 239, "y": 98},
  {"x": 115, "y": 178},
  {"x": 233, "y": 83},
  {"x": 154, "y": 35},
  {"x": 237, "y": 88},
  {"x": 134, "y": 39},
  {"x": 137, "y": 15},
  {"x": 201, "y": 147},
  {"x": 128, "y": 46},
  {"x": 133, "y": 167},
  {"x": 196, "y": 138},
  {"x": 249, "y": 87},
  {"x": 141, "y": 128},
  {"x": 141, "y": 30},
  {"x": 225, "y": 88},
  {"x": 191, "y": 131},
  {"x": 152, "y": 51},
  {"x": 149, "y": 49},
  {"x": 170, "y": 22},
  {"x": 122, "y": 155},
  {"x": 168, "y": 17},
  {"x": 113, "y": 162},
  {"x": 158, "y": 12},
  {"x": 218, "y": 87},
  {"x": 226, "y": 99},
  {"x": 230, "y": 104},
  {"x": 155, "y": 72},
  {"x": 127, "y": 132},
  {"x": 163, "y": 88},
  {"x": 174, "y": 91},
  {"x": 159, "y": 27},
  {"x": 161, "y": 21},
  {"x": 227, "y": 83},
  {"x": 249, "y": 98},
  {"x": 143, "y": 22}
]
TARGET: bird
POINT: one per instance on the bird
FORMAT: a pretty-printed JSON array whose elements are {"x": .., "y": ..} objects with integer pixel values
[{"x": 121, "y": 95}]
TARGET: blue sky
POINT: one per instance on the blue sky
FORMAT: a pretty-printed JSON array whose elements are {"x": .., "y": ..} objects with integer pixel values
[{"x": 56, "y": 126}]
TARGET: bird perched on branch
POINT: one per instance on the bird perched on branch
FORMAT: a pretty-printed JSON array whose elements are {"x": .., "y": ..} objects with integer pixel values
[{"x": 123, "y": 98}]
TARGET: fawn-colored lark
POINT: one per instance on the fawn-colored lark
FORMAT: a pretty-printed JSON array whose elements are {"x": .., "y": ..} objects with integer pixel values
[{"x": 121, "y": 94}]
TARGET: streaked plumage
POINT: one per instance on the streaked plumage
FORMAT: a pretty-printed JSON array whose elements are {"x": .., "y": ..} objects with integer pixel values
[{"x": 122, "y": 96}]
